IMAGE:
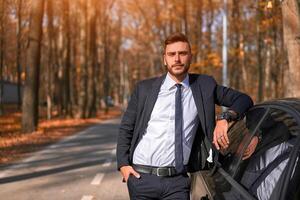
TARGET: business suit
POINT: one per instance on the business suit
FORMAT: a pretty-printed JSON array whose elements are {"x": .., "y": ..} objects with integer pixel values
[{"x": 206, "y": 94}]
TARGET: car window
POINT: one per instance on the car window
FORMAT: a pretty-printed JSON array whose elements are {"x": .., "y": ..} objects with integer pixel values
[
  {"x": 277, "y": 136},
  {"x": 277, "y": 131},
  {"x": 240, "y": 134}
]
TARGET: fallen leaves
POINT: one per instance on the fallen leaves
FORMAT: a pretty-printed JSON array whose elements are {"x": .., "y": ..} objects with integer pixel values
[{"x": 15, "y": 145}]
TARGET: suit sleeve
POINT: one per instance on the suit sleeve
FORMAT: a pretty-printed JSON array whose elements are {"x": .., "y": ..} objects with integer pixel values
[
  {"x": 126, "y": 130},
  {"x": 233, "y": 99}
]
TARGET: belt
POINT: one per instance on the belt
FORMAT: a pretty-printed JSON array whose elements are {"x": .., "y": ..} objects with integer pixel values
[{"x": 158, "y": 171}]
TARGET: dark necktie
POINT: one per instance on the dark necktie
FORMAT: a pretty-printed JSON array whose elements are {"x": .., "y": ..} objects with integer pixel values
[{"x": 178, "y": 130}]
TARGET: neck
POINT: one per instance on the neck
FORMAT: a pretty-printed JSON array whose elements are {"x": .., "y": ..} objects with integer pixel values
[{"x": 178, "y": 78}]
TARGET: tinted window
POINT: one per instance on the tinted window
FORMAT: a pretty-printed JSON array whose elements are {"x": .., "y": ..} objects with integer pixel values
[
  {"x": 240, "y": 135},
  {"x": 261, "y": 172}
]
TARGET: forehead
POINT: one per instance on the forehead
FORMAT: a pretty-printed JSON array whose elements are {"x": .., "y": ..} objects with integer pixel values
[{"x": 177, "y": 46}]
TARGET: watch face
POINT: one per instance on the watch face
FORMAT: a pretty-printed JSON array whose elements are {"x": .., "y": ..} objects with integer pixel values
[
  {"x": 220, "y": 117},
  {"x": 224, "y": 115}
]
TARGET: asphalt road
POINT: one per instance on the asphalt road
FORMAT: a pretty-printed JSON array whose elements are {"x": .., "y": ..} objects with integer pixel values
[{"x": 80, "y": 167}]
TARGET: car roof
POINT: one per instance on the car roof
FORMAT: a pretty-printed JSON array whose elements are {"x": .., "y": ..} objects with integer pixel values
[
  {"x": 290, "y": 105},
  {"x": 294, "y": 102}
]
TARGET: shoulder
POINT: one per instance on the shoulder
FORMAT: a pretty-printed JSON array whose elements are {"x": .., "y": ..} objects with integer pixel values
[
  {"x": 143, "y": 87},
  {"x": 203, "y": 79},
  {"x": 147, "y": 82}
]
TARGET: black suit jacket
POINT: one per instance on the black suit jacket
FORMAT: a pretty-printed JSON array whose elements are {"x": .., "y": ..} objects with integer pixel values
[{"x": 206, "y": 93}]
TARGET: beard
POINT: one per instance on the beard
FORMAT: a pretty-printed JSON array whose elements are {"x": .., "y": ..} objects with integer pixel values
[{"x": 179, "y": 69}]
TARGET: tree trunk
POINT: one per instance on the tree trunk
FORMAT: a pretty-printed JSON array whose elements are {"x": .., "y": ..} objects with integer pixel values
[
  {"x": 18, "y": 57},
  {"x": 185, "y": 17},
  {"x": 67, "y": 60},
  {"x": 236, "y": 64},
  {"x": 268, "y": 83},
  {"x": 198, "y": 32},
  {"x": 209, "y": 23},
  {"x": 49, "y": 86},
  {"x": 91, "y": 90},
  {"x": 31, "y": 87},
  {"x": 115, "y": 89},
  {"x": 260, "y": 67},
  {"x": 277, "y": 36},
  {"x": 106, "y": 62},
  {"x": 106, "y": 73},
  {"x": 2, "y": 50},
  {"x": 82, "y": 101},
  {"x": 75, "y": 76},
  {"x": 246, "y": 86},
  {"x": 291, "y": 36}
]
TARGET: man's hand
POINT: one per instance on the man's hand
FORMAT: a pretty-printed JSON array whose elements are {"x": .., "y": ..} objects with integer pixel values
[
  {"x": 251, "y": 148},
  {"x": 126, "y": 171},
  {"x": 220, "y": 134}
]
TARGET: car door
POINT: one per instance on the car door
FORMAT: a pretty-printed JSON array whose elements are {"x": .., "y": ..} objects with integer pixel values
[
  {"x": 222, "y": 184},
  {"x": 262, "y": 175}
]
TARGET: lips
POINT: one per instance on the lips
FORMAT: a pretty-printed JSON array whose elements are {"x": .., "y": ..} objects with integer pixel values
[{"x": 181, "y": 65}]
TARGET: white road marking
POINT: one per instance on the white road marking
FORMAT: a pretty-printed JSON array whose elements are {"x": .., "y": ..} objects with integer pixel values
[
  {"x": 87, "y": 197},
  {"x": 97, "y": 180}
]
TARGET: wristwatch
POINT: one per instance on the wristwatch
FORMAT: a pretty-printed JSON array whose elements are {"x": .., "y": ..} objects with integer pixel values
[{"x": 229, "y": 116}]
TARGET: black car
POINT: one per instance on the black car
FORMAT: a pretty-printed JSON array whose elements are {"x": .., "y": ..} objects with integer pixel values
[{"x": 272, "y": 171}]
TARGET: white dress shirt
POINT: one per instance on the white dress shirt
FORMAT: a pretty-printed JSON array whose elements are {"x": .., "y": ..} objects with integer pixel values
[{"x": 157, "y": 146}]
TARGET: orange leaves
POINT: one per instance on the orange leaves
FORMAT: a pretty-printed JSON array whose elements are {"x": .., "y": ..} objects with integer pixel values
[
  {"x": 211, "y": 60},
  {"x": 14, "y": 144}
]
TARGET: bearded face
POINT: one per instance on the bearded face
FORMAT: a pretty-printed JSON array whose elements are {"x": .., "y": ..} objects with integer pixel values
[{"x": 177, "y": 58}]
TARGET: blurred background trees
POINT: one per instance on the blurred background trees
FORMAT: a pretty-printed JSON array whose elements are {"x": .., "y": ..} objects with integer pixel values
[
  {"x": 291, "y": 34},
  {"x": 94, "y": 51},
  {"x": 32, "y": 71}
]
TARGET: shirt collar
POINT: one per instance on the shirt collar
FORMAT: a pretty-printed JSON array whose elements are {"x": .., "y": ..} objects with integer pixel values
[{"x": 169, "y": 82}]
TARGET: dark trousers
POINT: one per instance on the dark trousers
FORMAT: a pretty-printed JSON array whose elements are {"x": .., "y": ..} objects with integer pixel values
[{"x": 150, "y": 186}]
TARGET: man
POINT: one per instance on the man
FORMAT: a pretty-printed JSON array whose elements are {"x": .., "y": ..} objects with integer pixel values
[{"x": 169, "y": 125}]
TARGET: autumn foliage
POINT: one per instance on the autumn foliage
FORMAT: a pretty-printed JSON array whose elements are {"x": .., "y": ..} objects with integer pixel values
[{"x": 15, "y": 145}]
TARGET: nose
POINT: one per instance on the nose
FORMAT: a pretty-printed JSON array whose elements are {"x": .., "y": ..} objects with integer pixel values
[{"x": 177, "y": 57}]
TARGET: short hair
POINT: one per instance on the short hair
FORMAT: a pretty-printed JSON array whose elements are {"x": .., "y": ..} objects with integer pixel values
[{"x": 176, "y": 37}]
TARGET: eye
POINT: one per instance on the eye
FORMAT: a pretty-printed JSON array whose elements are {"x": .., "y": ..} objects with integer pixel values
[
  {"x": 171, "y": 54},
  {"x": 183, "y": 53}
]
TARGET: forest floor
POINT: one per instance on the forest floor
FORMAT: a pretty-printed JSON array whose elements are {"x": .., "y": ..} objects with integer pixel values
[{"x": 15, "y": 145}]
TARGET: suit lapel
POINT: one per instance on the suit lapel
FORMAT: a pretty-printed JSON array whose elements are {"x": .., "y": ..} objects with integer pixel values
[
  {"x": 198, "y": 98},
  {"x": 153, "y": 94},
  {"x": 151, "y": 99}
]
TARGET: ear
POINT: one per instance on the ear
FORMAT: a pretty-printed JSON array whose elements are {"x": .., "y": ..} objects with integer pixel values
[
  {"x": 164, "y": 58},
  {"x": 191, "y": 56}
]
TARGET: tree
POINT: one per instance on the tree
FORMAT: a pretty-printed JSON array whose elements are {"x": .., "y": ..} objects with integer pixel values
[
  {"x": 31, "y": 87},
  {"x": 259, "y": 38},
  {"x": 82, "y": 97},
  {"x": 93, "y": 64},
  {"x": 106, "y": 41},
  {"x": 2, "y": 49},
  {"x": 19, "y": 45},
  {"x": 50, "y": 64},
  {"x": 291, "y": 36},
  {"x": 66, "y": 104},
  {"x": 99, "y": 48}
]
